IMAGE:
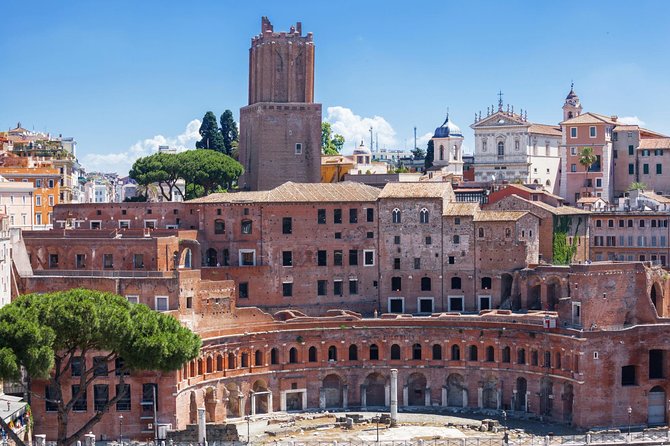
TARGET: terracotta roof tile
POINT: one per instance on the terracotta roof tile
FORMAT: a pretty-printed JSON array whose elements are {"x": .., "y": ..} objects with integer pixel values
[
  {"x": 545, "y": 129},
  {"x": 457, "y": 209},
  {"x": 654, "y": 143},
  {"x": 590, "y": 118},
  {"x": 417, "y": 190},
  {"x": 499, "y": 215},
  {"x": 654, "y": 196}
]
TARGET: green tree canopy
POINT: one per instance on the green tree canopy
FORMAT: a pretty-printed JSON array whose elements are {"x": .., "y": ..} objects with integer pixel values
[
  {"x": 207, "y": 171},
  {"x": 418, "y": 153},
  {"x": 637, "y": 186},
  {"x": 430, "y": 155},
  {"x": 330, "y": 144},
  {"x": 45, "y": 333},
  {"x": 229, "y": 131},
  {"x": 161, "y": 168},
  {"x": 587, "y": 158},
  {"x": 211, "y": 136}
]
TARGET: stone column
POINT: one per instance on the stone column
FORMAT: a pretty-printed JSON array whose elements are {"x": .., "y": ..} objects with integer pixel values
[
  {"x": 465, "y": 397},
  {"x": 364, "y": 396},
  {"x": 304, "y": 400},
  {"x": 282, "y": 401},
  {"x": 480, "y": 399},
  {"x": 445, "y": 396},
  {"x": 525, "y": 408},
  {"x": 270, "y": 406},
  {"x": 252, "y": 397},
  {"x": 202, "y": 426},
  {"x": 322, "y": 398},
  {"x": 394, "y": 397},
  {"x": 387, "y": 395},
  {"x": 405, "y": 396},
  {"x": 427, "y": 397},
  {"x": 514, "y": 399},
  {"x": 499, "y": 399},
  {"x": 345, "y": 396}
]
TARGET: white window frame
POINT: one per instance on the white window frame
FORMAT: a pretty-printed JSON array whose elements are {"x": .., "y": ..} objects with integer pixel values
[
  {"x": 127, "y": 222},
  {"x": 422, "y": 299},
  {"x": 38, "y": 200},
  {"x": 388, "y": 304},
  {"x": 573, "y": 132},
  {"x": 167, "y": 300},
  {"x": 593, "y": 131},
  {"x": 449, "y": 298},
  {"x": 246, "y": 251},
  {"x": 133, "y": 298},
  {"x": 479, "y": 301},
  {"x": 298, "y": 148},
  {"x": 99, "y": 222},
  {"x": 51, "y": 200},
  {"x": 152, "y": 220},
  {"x": 365, "y": 263}
]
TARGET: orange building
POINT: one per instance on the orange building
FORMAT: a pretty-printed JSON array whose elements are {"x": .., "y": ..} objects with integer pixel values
[{"x": 45, "y": 180}]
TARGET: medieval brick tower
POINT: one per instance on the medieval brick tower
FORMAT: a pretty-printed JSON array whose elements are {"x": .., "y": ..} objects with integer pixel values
[{"x": 280, "y": 129}]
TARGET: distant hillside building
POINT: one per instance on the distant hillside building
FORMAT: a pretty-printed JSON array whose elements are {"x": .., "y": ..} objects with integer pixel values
[
  {"x": 280, "y": 129},
  {"x": 510, "y": 148}
]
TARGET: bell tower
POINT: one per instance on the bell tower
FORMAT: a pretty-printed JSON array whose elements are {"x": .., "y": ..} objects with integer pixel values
[
  {"x": 572, "y": 108},
  {"x": 280, "y": 128}
]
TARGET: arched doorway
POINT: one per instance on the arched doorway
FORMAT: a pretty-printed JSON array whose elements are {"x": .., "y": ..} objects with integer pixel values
[
  {"x": 332, "y": 389},
  {"x": 656, "y": 407},
  {"x": 553, "y": 293},
  {"x": 375, "y": 390},
  {"x": 520, "y": 397},
  {"x": 192, "y": 409},
  {"x": 656, "y": 295},
  {"x": 210, "y": 405},
  {"x": 260, "y": 389},
  {"x": 456, "y": 391},
  {"x": 416, "y": 390},
  {"x": 233, "y": 401},
  {"x": 534, "y": 296}
]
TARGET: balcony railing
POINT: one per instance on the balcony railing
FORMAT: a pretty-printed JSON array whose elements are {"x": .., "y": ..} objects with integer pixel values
[{"x": 103, "y": 273}]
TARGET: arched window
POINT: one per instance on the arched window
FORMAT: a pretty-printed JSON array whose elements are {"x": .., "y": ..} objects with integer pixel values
[
  {"x": 293, "y": 355},
  {"x": 426, "y": 284},
  {"x": 395, "y": 214},
  {"x": 332, "y": 353},
  {"x": 274, "y": 356},
  {"x": 246, "y": 227},
  {"x": 473, "y": 353},
  {"x": 416, "y": 351},
  {"x": 353, "y": 352},
  {"x": 521, "y": 356},
  {"x": 219, "y": 227},
  {"x": 188, "y": 258},
  {"x": 245, "y": 360},
  {"x": 481, "y": 232},
  {"x": 506, "y": 355},
  {"x": 501, "y": 148},
  {"x": 490, "y": 354},
  {"x": 508, "y": 232},
  {"x": 441, "y": 152},
  {"x": 219, "y": 363},
  {"x": 437, "y": 351},
  {"x": 231, "y": 360},
  {"x": 374, "y": 352},
  {"x": 455, "y": 353},
  {"x": 547, "y": 359},
  {"x": 209, "y": 369},
  {"x": 311, "y": 354},
  {"x": 258, "y": 358},
  {"x": 486, "y": 283},
  {"x": 457, "y": 239},
  {"x": 423, "y": 216},
  {"x": 455, "y": 283},
  {"x": 395, "y": 351}
]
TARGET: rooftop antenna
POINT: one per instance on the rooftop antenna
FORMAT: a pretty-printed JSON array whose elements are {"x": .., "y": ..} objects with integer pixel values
[
  {"x": 415, "y": 132},
  {"x": 370, "y": 137}
]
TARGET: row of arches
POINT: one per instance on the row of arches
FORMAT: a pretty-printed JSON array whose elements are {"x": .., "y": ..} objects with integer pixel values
[
  {"x": 242, "y": 359},
  {"x": 424, "y": 215}
]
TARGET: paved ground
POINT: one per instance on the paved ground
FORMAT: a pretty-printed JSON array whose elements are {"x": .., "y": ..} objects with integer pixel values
[{"x": 412, "y": 426}]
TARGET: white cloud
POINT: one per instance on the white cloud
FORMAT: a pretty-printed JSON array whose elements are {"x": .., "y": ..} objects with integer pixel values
[
  {"x": 356, "y": 128},
  {"x": 122, "y": 162},
  {"x": 422, "y": 141},
  {"x": 631, "y": 120}
]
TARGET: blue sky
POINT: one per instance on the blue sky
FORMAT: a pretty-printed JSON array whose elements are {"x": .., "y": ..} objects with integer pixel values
[{"x": 124, "y": 76}]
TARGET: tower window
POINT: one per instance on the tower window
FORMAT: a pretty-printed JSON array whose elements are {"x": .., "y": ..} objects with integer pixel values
[{"x": 298, "y": 148}]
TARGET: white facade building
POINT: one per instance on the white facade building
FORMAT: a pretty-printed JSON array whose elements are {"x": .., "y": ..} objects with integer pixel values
[
  {"x": 509, "y": 148},
  {"x": 16, "y": 202},
  {"x": 448, "y": 155}
]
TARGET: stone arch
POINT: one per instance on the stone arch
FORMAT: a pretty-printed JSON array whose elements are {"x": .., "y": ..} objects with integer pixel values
[
  {"x": 209, "y": 368},
  {"x": 353, "y": 352},
  {"x": 416, "y": 389},
  {"x": 258, "y": 358},
  {"x": 395, "y": 352},
  {"x": 455, "y": 352},
  {"x": 219, "y": 362},
  {"x": 568, "y": 398},
  {"x": 231, "y": 360},
  {"x": 332, "y": 353},
  {"x": 210, "y": 404},
  {"x": 520, "y": 394},
  {"x": 375, "y": 390},
  {"x": 211, "y": 257},
  {"x": 490, "y": 354},
  {"x": 416, "y": 351},
  {"x": 312, "y": 354},
  {"x": 437, "y": 351},
  {"x": 274, "y": 356},
  {"x": 374, "y": 352},
  {"x": 457, "y": 393},
  {"x": 261, "y": 401},
  {"x": 293, "y": 355},
  {"x": 186, "y": 258},
  {"x": 332, "y": 391},
  {"x": 490, "y": 393},
  {"x": 193, "y": 408}
]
